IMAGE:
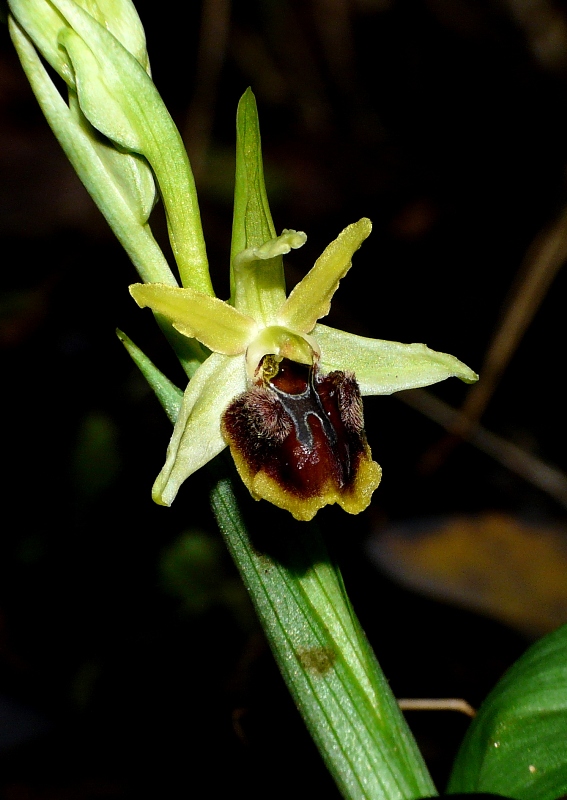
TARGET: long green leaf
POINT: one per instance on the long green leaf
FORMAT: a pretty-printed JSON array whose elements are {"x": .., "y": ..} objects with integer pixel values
[{"x": 517, "y": 744}]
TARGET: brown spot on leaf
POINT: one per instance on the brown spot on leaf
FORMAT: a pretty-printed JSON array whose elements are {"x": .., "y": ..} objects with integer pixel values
[{"x": 317, "y": 660}]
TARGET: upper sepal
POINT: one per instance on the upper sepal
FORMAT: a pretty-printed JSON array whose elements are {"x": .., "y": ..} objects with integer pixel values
[{"x": 258, "y": 287}]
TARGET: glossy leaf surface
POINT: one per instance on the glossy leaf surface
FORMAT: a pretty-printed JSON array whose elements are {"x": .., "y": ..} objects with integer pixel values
[{"x": 517, "y": 744}]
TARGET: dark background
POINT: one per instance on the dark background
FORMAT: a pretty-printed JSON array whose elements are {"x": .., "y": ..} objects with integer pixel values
[{"x": 126, "y": 670}]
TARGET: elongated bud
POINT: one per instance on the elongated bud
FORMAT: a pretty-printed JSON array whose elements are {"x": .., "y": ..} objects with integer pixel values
[{"x": 45, "y": 22}]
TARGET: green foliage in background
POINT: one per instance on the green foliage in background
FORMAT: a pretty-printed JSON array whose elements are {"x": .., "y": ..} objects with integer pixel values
[{"x": 517, "y": 744}]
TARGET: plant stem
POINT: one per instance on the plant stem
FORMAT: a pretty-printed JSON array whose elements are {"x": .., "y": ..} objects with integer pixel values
[{"x": 324, "y": 656}]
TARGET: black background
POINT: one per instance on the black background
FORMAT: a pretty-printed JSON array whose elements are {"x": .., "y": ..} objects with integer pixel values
[{"x": 443, "y": 122}]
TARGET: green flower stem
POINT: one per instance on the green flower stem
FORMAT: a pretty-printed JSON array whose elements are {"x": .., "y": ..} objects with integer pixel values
[{"x": 325, "y": 660}]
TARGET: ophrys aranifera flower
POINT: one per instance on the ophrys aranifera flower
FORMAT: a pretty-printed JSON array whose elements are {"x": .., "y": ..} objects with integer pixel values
[{"x": 282, "y": 390}]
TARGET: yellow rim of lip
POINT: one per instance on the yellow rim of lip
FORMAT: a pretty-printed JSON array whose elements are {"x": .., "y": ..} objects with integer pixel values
[{"x": 353, "y": 499}]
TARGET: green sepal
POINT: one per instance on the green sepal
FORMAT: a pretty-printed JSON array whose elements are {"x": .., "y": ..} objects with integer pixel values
[
  {"x": 517, "y": 744},
  {"x": 257, "y": 287},
  {"x": 383, "y": 367}
]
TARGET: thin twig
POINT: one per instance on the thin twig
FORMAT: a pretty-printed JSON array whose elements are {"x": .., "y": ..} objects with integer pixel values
[
  {"x": 543, "y": 260},
  {"x": 550, "y": 479},
  {"x": 437, "y": 704},
  {"x": 541, "y": 264}
]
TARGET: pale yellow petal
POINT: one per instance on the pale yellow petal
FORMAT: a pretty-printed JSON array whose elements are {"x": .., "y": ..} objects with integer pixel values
[
  {"x": 197, "y": 435},
  {"x": 215, "y": 324},
  {"x": 311, "y": 298}
]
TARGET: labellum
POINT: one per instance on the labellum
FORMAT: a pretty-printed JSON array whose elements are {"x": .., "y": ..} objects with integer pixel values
[{"x": 297, "y": 438}]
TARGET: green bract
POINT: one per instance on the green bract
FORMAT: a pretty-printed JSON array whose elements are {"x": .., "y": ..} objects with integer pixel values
[{"x": 114, "y": 128}]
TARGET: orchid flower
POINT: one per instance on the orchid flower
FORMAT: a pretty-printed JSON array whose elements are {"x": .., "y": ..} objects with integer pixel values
[{"x": 280, "y": 389}]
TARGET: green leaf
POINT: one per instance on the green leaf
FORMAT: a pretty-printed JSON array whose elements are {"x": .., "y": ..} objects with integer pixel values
[
  {"x": 517, "y": 744},
  {"x": 257, "y": 287},
  {"x": 323, "y": 655},
  {"x": 383, "y": 367}
]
